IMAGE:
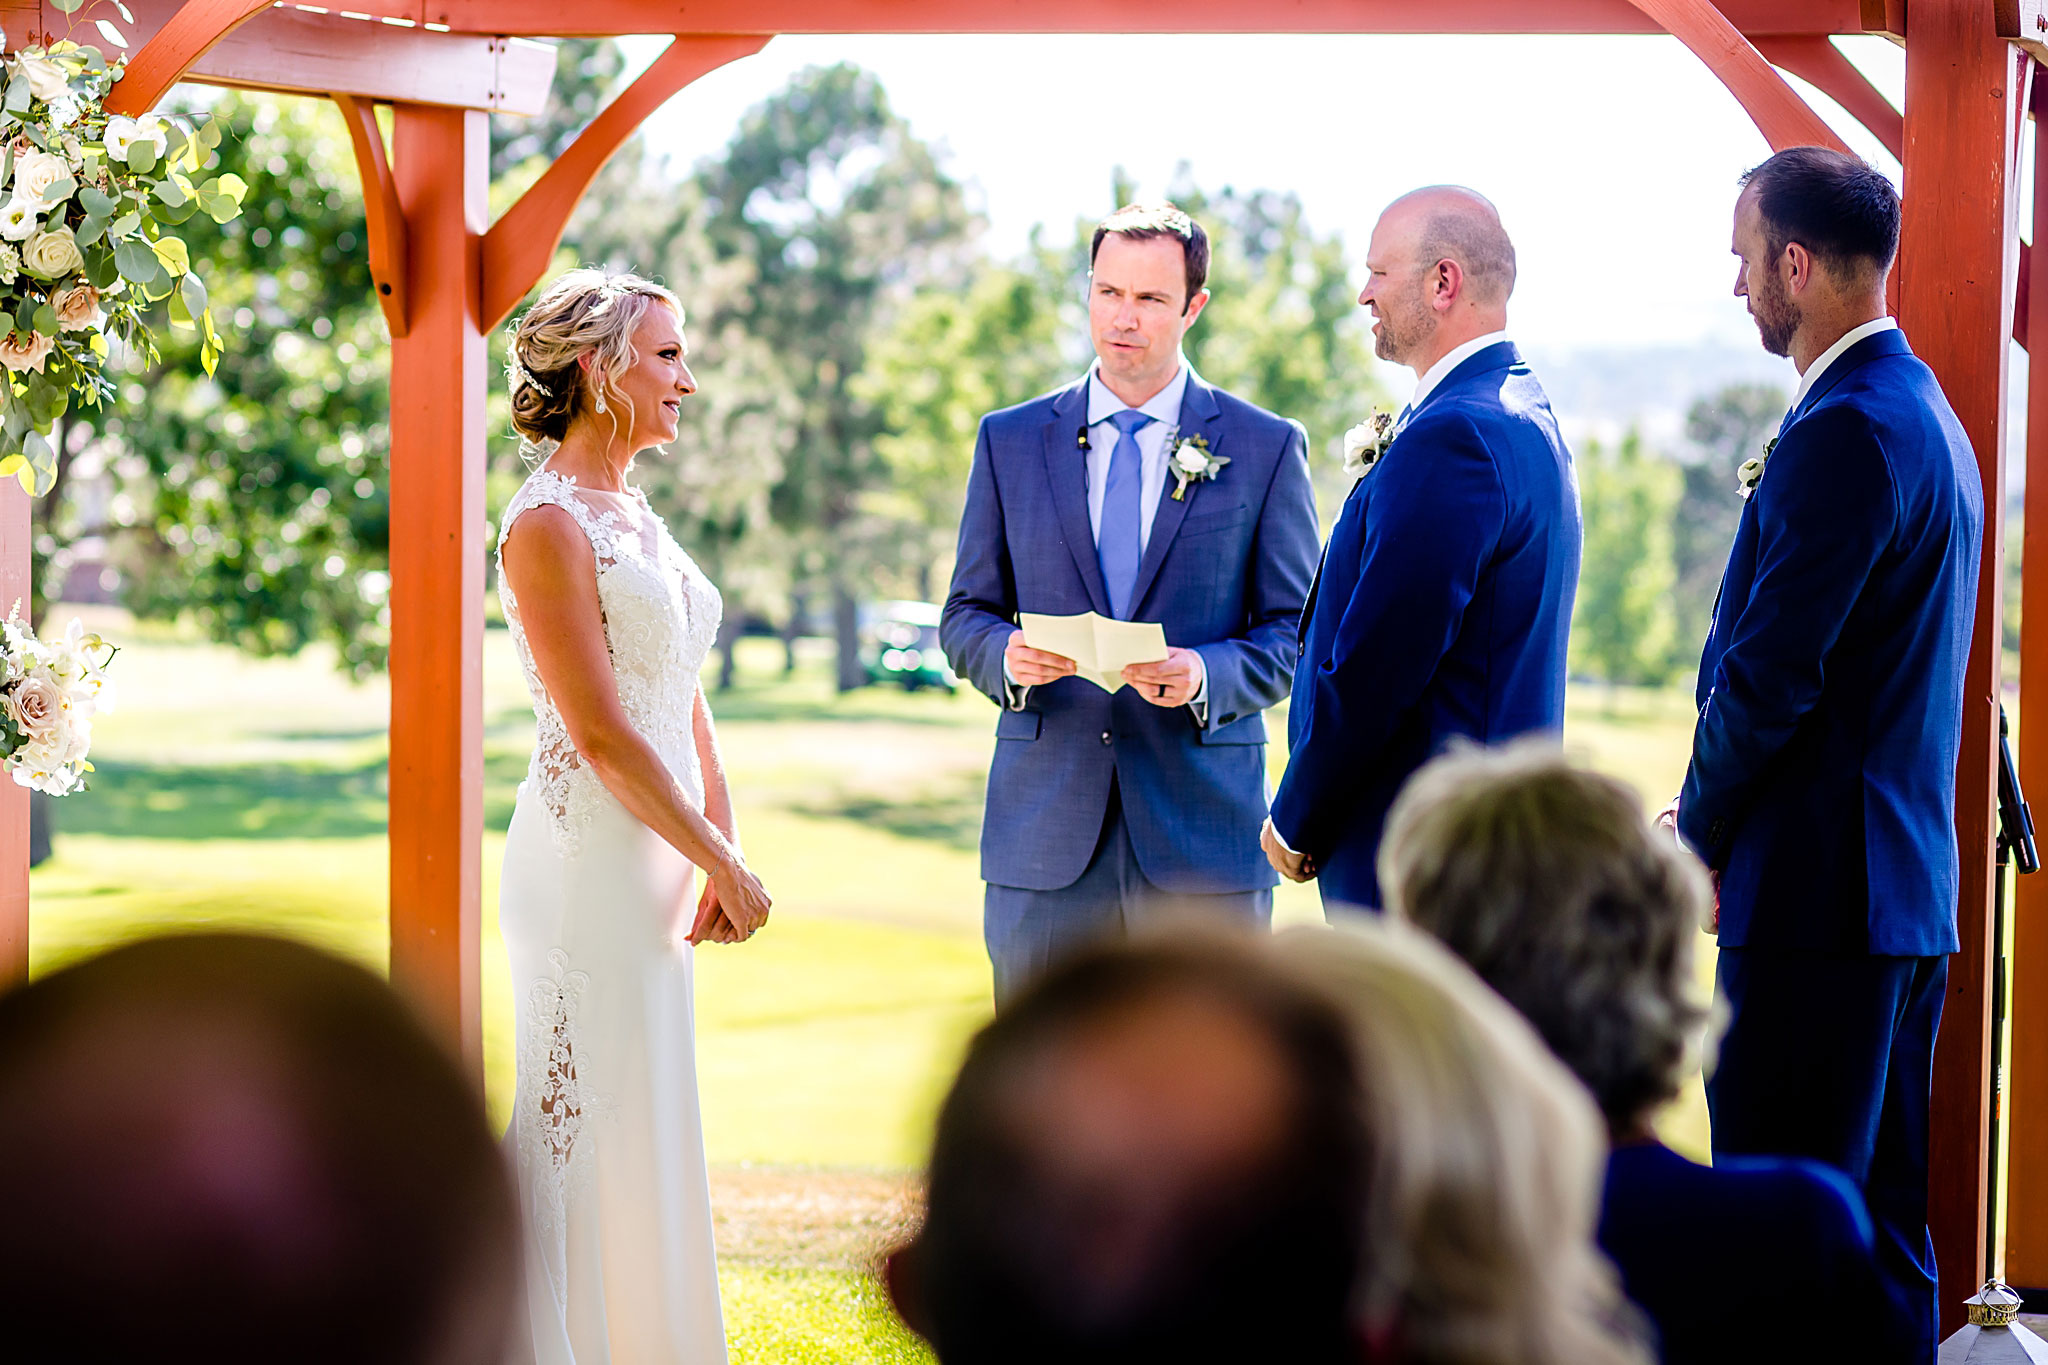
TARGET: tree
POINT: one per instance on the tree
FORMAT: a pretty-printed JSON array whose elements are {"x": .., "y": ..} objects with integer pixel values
[
  {"x": 841, "y": 213},
  {"x": 951, "y": 357},
  {"x": 1724, "y": 429},
  {"x": 255, "y": 500},
  {"x": 1622, "y": 624},
  {"x": 1283, "y": 326}
]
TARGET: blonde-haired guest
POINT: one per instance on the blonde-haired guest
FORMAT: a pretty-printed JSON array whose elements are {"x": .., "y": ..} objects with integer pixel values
[
  {"x": 1550, "y": 881},
  {"x": 624, "y": 803},
  {"x": 1483, "y": 1180}
]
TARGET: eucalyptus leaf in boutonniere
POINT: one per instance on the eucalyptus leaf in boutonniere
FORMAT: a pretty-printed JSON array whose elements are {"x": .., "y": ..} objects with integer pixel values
[
  {"x": 1194, "y": 462},
  {"x": 1752, "y": 471},
  {"x": 1366, "y": 442}
]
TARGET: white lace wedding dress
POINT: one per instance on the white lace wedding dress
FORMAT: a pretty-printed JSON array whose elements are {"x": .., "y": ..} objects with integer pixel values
[{"x": 606, "y": 1131}]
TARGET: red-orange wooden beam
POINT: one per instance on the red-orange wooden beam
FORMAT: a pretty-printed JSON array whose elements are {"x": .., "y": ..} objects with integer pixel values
[
  {"x": 2026, "y": 1089},
  {"x": 519, "y": 245},
  {"x": 304, "y": 52},
  {"x": 599, "y": 18},
  {"x": 384, "y": 216},
  {"x": 1775, "y": 107},
  {"x": 17, "y": 531},
  {"x": 437, "y": 578},
  {"x": 1958, "y": 258},
  {"x": 165, "y": 59},
  {"x": 1821, "y": 64}
]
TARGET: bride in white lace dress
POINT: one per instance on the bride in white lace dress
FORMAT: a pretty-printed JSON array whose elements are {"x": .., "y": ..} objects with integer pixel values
[{"x": 624, "y": 802}]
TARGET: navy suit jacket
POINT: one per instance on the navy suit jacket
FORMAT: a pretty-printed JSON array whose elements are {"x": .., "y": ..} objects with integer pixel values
[
  {"x": 1224, "y": 572},
  {"x": 1823, "y": 768},
  {"x": 1442, "y": 609},
  {"x": 1732, "y": 1261}
]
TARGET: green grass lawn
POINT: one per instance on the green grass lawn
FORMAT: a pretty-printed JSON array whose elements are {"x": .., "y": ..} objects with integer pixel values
[{"x": 234, "y": 792}]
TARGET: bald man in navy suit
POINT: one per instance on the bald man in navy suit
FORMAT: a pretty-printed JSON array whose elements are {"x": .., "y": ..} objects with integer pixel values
[{"x": 1445, "y": 597}]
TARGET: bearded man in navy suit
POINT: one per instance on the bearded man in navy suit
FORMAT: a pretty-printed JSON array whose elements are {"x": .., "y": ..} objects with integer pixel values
[
  {"x": 1445, "y": 597},
  {"x": 1822, "y": 785},
  {"x": 1109, "y": 810}
]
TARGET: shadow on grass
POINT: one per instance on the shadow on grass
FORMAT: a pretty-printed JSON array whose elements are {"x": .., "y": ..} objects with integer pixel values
[
  {"x": 254, "y": 801},
  {"x": 804, "y": 700},
  {"x": 950, "y": 816}
]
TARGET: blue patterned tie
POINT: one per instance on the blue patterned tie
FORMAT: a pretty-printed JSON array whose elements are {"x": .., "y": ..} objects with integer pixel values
[{"x": 1116, "y": 541}]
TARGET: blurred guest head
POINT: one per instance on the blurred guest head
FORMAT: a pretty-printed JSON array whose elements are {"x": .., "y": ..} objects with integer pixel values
[
  {"x": 223, "y": 1148},
  {"x": 1152, "y": 1154},
  {"x": 1484, "y": 1171},
  {"x": 1548, "y": 879}
]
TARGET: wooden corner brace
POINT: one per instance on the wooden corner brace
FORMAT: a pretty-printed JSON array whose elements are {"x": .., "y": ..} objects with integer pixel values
[
  {"x": 383, "y": 214},
  {"x": 183, "y": 40},
  {"x": 517, "y": 249}
]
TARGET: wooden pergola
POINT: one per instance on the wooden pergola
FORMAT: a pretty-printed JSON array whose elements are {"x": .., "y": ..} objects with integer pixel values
[{"x": 445, "y": 276}]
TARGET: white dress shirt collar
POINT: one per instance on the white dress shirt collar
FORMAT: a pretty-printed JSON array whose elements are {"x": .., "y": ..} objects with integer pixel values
[
  {"x": 1834, "y": 353},
  {"x": 1162, "y": 407},
  {"x": 1458, "y": 355}
]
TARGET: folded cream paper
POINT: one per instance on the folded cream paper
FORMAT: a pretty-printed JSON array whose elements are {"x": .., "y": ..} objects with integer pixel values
[{"x": 1099, "y": 645}]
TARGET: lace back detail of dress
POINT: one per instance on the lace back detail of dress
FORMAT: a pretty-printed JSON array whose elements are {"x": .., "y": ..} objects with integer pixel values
[
  {"x": 660, "y": 618},
  {"x": 554, "y": 1152}
]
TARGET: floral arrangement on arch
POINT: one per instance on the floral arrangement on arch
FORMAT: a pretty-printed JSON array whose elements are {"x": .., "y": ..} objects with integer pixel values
[
  {"x": 49, "y": 693},
  {"x": 87, "y": 204}
]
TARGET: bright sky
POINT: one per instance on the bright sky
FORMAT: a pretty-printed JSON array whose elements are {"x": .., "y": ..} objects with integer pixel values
[{"x": 1613, "y": 159}]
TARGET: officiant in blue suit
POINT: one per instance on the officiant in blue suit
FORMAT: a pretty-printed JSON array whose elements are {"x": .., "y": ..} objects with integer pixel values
[
  {"x": 1140, "y": 493},
  {"x": 1444, "y": 599},
  {"x": 1822, "y": 783}
]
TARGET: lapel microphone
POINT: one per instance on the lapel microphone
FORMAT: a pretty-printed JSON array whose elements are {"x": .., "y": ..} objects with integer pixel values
[{"x": 1081, "y": 437}]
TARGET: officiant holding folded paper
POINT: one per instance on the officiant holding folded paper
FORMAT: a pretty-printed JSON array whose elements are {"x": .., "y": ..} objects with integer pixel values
[{"x": 1156, "y": 502}]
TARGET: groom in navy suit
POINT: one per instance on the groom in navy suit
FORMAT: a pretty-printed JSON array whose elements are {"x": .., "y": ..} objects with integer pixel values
[
  {"x": 1109, "y": 809},
  {"x": 1822, "y": 784},
  {"x": 1445, "y": 596}
]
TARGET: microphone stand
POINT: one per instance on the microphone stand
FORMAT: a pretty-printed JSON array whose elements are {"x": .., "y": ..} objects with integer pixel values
[{"x": 2016, "y": 847}]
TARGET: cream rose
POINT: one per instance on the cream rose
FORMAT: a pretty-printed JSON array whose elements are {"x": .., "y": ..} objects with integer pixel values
[
  {"x": 34, "y": 172},
  {"x": 78, "y": 308},
  {"x": 37, "y": 705},
  {"x": 52, "y": 255},
  {"x": 25, "y": 351},
  {"x": 47, "y": 79}
]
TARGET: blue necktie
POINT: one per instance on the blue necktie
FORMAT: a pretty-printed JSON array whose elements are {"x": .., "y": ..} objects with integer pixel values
[{"x": 1116, "y": 540}]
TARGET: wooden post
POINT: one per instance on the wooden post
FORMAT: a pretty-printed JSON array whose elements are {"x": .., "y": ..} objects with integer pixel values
[
  {"x": 17, "y": 531},
  {"x": 1957, "y": 260},
  {"x": 2026, "y": 1087},
  {"x": 437, "y": 577}
]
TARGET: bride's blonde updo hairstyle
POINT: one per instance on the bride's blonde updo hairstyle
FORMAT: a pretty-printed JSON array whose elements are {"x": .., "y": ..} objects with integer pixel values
[{"x": 586, "y": 312}]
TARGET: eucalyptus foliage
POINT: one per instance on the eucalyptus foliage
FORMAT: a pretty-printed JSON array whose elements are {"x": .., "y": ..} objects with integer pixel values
[{"x": 87, "y": 245}]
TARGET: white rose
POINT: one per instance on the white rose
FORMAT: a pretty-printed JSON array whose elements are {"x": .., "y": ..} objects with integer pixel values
[
  {"x": 37, "y": 705},
  {"x": 121, "y": 133},
  {"x": 1190, "y": 460},
  {"x": 34, "y": 172},
  {"x": 18, "y": 219},
  {"x": 52, "y": 255},
  {"x": 47, "y": 79},
  {"x": 25, "y": 350}
]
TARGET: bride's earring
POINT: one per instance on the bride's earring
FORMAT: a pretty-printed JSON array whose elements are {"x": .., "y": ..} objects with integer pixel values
[{"x": 601, "y": 407}]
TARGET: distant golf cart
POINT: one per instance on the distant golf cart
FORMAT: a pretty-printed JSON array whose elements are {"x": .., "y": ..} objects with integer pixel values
[{"x": 899, "y": 643}]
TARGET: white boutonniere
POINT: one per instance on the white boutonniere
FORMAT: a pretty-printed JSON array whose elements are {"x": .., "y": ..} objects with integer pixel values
[
  {"x": 1752, "y": 471},
  {"x": 1366, "y": 442},
  {"x": 1193, "y": 462}
]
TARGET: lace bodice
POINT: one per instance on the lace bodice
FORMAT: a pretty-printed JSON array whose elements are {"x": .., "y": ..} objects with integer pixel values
[{"x": 660, "y": 618}]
